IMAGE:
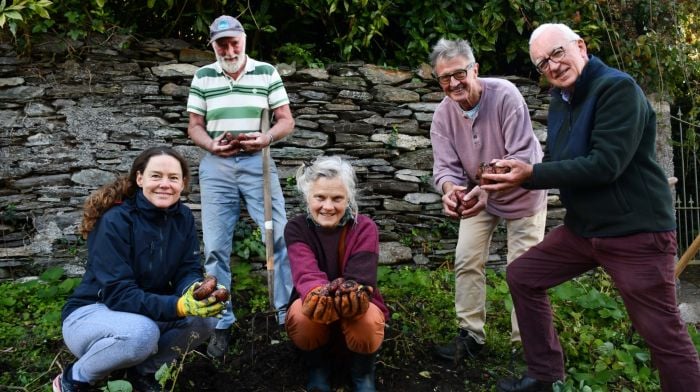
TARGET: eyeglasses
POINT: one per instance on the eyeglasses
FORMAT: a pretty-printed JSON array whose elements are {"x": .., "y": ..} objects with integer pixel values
[
  {"x": 459, "y": 74},
  {"x": 555, "y": 57}
]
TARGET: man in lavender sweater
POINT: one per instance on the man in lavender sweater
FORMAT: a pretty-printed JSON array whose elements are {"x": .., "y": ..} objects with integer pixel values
[{"x": 479, "y": 120}]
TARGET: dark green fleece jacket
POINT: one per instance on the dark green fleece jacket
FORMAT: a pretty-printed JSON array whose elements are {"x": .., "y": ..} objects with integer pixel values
[{"x": 601, "y": 154}]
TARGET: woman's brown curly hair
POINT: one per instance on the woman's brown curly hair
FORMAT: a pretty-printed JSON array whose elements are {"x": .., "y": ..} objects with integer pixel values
[{"x": 124, "y": 187}]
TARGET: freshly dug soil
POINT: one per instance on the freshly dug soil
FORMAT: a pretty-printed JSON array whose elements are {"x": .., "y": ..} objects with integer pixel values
[{"x": 262, "y": 358}]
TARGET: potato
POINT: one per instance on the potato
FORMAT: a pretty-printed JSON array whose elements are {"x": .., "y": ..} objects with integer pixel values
[
  {"x": 490, "y": 168},
  {"x": 205, "y": 289},
  {"x": 227, "y": 139},
  {"x": 235, "y": 141},
  {"x": 221, "y": 295},
  {"x": 463, "y": 205}
]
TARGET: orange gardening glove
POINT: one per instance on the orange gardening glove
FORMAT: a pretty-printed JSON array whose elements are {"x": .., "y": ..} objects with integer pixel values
[
  {"x": 318, "y": 306},
  {"x": 352, "y": 299}
]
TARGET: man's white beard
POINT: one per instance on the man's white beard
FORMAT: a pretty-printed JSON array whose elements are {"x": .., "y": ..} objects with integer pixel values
[{"x": 231, "y": 66}]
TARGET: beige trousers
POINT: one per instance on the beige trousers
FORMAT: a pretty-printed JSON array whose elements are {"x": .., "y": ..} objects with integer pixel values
[{"x": 471, "y": 254}]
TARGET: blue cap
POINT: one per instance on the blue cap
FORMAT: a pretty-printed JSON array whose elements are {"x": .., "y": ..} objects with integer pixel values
[{"x": 225, "y": 26}]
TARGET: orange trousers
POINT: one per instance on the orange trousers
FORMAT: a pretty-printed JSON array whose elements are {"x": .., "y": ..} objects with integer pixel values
[{"x": 363, "y": 335}]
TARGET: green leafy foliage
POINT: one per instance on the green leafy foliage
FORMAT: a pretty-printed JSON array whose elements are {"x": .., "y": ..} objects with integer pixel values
[
  {"x": 602, "y": 351},
  {"x": 30, "y": 324},
  {"x": 30, "y": 306},
  {"x": 248, "y": 243},
  {"x": 655, "y": 41},
  {"x": 18, "y": 13},
  {"x": 421, "y": 302},
  {"x": 249, "y": 290},
  {"x": 597, "y": 336}
]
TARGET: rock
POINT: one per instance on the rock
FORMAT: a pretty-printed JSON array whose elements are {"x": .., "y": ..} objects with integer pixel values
[
  {"x": 401, "y": 141},
  {"x": 394, "y": 94},
  {"x": 174, "y": 70},
  {"x": 690, "y": 312},
  {"x": 391, "y": 253},
  {"x": 11, "y": 82},
  {"x": 381, "y": 75},
  {"x": 93, "y": 177},
  {"x": 311, "y": 74},
  {"x": 422, "y": 198}
]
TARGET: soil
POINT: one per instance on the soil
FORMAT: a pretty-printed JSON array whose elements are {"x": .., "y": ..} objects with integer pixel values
[{"x": 262, "y": 358}]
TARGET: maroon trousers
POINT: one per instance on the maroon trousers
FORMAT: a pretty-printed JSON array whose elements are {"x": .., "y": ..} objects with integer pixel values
[{"x": 641, "y": 266}]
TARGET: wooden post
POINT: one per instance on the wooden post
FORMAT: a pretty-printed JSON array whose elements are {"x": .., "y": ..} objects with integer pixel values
[
  {"x": 267, "y": 205},
  {"x": 687, "y": 256}
]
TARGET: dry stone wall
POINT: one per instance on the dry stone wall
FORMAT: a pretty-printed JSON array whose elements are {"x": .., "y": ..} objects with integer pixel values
[{"x": 74, "y": 115}]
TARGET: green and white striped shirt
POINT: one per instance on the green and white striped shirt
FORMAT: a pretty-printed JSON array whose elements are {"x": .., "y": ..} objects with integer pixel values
[{"x": 235, "y": 105}]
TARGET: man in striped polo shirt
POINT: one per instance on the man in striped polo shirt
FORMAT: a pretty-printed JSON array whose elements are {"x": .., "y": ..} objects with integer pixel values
[{"x": 225, "y": 101}]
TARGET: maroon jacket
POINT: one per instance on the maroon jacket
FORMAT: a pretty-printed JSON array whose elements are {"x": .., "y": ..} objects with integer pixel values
[{"x": 313, "y": 255}]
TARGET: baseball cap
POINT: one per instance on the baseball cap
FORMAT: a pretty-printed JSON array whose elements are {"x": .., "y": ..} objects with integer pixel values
[{"x": 225, "y": 26}]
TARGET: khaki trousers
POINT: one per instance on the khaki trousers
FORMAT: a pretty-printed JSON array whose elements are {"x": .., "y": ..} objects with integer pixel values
[{"x": 471, "y": 254}]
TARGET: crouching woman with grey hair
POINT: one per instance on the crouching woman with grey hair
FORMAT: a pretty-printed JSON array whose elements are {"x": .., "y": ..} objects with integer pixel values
[{"x": 333, "y": 253}]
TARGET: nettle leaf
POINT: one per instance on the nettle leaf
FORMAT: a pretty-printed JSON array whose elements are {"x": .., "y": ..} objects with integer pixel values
[
  {"x": 68, "y": 285},
  {"x": 566, "y": 292},
  {"x": 118, "y": 386},
  {"x": 591, "y": 300},
  {"x": 624, "y": 356},
  {"x": 163, "y": 373},
  {"x": 603, "y": 376},
  {"x": 52, "y": 274},
  {"x": 47, "y": 292},
  {"x": 606, "y": 348},
  {"x": 52, "y": 317},
  {"x": 644, "y": 373},
  {"x": 7, "y": 301}
]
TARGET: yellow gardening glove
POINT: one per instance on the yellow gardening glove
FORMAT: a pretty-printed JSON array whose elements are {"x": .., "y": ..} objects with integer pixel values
[{"x": 188, "y": 306}]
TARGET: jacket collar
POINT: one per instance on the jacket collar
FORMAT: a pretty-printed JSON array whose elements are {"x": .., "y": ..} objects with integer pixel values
[{"x": 149, "y": 209}]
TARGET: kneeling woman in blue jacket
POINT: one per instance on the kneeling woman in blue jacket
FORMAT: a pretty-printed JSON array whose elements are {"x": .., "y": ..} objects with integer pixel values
[{"x": 133, "y": 309}]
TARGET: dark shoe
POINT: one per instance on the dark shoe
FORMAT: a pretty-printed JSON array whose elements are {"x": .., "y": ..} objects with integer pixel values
[
  {"x": 218, "y": 344},
  {"x": 362, "y": 372},
  {"x": 462, "y": 346},
  {"x": 523, "y": 384},
  {"x": 143, "y": 382},
  {"x": 319, "y": 363},
  {"x": 64, "y": 383}
]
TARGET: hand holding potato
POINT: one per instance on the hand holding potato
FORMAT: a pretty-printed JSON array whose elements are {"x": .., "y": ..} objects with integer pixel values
[
  {"x": 352, "y": 299},
  {"x": 318, "y": 305},
  {"x": 188, "y": 305}
]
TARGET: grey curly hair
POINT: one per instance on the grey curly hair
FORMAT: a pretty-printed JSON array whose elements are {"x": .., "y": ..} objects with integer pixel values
[{"x": 328, "y": 167}]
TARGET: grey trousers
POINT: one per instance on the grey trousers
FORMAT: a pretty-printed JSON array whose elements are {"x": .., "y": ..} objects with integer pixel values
[{"x": 104, "y": 340}]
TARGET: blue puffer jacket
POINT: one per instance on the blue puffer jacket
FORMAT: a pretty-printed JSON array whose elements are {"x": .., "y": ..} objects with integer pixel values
[{"x": 140, "y": 260}]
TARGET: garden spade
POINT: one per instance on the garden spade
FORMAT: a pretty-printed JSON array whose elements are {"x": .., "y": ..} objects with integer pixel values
[{"x": 267, "y": 205}]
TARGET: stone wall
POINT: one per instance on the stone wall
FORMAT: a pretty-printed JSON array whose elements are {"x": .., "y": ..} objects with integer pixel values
[{"x": 75, "y": 114}]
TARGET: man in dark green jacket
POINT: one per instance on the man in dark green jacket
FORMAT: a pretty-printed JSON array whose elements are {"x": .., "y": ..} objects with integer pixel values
[{"x": 601, "y": 155}]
